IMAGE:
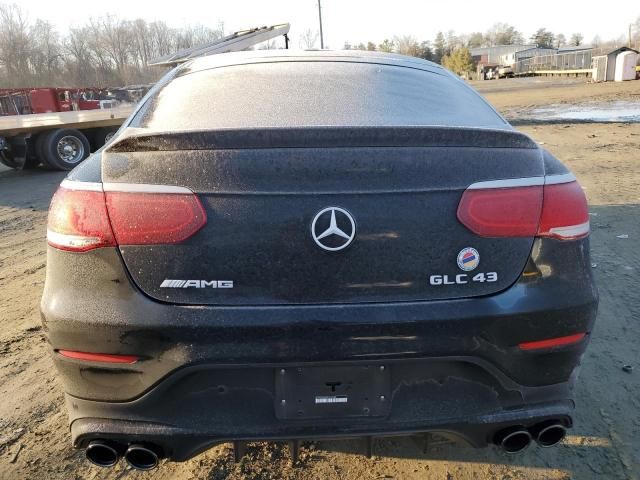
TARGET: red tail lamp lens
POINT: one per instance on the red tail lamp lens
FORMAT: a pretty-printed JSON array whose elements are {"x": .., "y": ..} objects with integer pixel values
[
  {"x": 78, "y": 221},
  {"x": 565, "y": 214},
  {"x": 502, "y": 212},
  {"x": 154, "y": 218},
  {"x": 557, "y": 210},
  {"x": 86, "y": 218}
]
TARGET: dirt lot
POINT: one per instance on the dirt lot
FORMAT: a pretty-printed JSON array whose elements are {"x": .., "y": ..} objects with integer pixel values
[{"x": 605, "y": 443}]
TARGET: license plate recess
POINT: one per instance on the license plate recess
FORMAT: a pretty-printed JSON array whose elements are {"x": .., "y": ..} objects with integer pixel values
[{"x": 332, "y": 392}]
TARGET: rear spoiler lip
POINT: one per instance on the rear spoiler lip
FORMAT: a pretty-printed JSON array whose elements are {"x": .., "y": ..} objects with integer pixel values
[{"x": 139, "y": 140}]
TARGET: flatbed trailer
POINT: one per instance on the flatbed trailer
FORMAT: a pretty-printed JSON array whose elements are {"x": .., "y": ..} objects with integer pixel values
[{"x": 59, "y": 140}]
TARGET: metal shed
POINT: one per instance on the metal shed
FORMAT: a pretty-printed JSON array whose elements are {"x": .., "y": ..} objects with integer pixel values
[
  {"x": 604, "y": 66},
  {"x": 626, "y": 66}
]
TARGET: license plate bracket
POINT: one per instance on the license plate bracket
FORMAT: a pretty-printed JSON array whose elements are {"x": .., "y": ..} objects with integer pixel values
[{"x": 332, "y": 392}]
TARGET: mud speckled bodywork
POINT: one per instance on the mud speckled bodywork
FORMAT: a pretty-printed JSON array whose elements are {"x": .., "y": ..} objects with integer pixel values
[{"x": 208, "y": 360}]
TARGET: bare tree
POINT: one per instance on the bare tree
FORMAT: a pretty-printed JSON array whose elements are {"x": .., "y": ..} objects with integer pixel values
[
  {"x": 635, "y": 33},
  {"x": 45, "y": 56},
  {"x": 79, "y": 58},
  {"x": 407, "y": 45},
  {"x": 308, "y": 39},
  {"x": 502, "y": 34},
  {"x": 576, "y": 39},
  {"x": 15, "y": 44},
  {"x": 387, "y": 46}
]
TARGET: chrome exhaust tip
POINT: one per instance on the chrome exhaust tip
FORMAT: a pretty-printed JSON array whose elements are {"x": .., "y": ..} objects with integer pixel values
[
  {"x": 102, "y": 453},
  {"x": 550, "y": 434},
  {"x": 513, "y": 440},
  {"x": 141, "y": 457}
]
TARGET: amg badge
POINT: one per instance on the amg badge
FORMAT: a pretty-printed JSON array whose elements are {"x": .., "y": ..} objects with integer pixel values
[{"x": 196, "y": 283}]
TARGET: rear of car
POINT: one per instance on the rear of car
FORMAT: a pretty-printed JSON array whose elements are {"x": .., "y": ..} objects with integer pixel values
[{"x": 324, "y": 245}]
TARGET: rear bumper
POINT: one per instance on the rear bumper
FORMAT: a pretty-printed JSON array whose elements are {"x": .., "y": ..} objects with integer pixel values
[
  {"x": 198, "y": 407},
  {"x": 207, "y": 374}
]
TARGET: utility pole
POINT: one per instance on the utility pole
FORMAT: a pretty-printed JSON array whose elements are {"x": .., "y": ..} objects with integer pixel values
[
  {"x": 630, "y": 25},
  {"x": 320, "y": 17}
]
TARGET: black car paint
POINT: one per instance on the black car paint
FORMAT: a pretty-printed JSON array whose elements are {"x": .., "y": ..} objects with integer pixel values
[
  {"x": 275, "y": 181},
  {"x": 207, "y": 373}
]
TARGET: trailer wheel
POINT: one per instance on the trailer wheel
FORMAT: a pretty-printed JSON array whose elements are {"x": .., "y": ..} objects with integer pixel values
[
  {"x": 65, "y": 148},
  {"x": 15, "y": 154},
  {"x": 103, "y": 135},
  {"x": 7, "y": 159}
]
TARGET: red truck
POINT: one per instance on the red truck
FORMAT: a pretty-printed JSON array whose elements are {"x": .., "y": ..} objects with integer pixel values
[{"x": 21, "y": 101}]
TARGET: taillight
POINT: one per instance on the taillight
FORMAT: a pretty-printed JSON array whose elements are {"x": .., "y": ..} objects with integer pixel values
[
  {"x": 78, "y": 219},
  {"x": 154, "y": 218},
  {"x": 501, "y": 212},
  {"x": 565, "y": 214},
  {"x": 83, "y": 217},
  {"x": 526, "y": 208}
]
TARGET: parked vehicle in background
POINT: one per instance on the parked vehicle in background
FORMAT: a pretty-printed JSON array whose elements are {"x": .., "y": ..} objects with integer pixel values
[
  {"x": 373, "y": 251},
  {"x": 505, "y": 72},
  {"x": 55, "y": 126},
  {"x": 24, "y": 101}
]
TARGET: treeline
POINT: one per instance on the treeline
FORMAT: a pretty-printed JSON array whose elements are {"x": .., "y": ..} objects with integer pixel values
[
  {"x": 107, "y": 51},
  {"x": 111, "y": 51},
  {"x": 445, "y": 45}
]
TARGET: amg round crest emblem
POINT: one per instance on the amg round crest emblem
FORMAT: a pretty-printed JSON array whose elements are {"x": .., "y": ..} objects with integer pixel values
[
  {"x": 468, "y": 259},
  {"x": 333, "y": 229}
]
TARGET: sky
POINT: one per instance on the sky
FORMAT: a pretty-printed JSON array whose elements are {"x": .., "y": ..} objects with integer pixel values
[{"x": 356, "y": 21}]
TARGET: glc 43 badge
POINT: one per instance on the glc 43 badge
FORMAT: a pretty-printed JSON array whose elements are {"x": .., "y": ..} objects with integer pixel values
[{"x": 463, "y": 278}]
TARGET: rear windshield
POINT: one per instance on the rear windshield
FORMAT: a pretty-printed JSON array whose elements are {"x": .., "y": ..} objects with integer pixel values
[{"x": 298, "y": 94}]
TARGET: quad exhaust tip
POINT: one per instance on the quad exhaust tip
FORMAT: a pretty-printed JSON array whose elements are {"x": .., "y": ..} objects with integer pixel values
[
  {"x": 550, "y": 433},
  {"x": 141, "y": 457},
  {"x": 102, "y": 454},
  {"x": 517, "y": 438},
  {"x": 514, "y": 439}
]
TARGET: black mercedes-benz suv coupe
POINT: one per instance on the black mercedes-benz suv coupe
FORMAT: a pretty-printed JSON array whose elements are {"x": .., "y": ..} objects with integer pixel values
[{"x": 283, "y": 246}]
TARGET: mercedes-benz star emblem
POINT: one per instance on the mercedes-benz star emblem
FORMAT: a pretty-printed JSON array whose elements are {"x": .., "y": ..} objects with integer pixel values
[{"x": 333, "y": 229}]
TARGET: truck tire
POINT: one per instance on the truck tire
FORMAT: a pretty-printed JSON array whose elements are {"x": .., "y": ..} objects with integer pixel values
[
  {"x": 15, "y": 156},
  {"x": 103, "y": 135},
  {"x": 64, "y": 148},
  {"x": 7, "y": 159}
]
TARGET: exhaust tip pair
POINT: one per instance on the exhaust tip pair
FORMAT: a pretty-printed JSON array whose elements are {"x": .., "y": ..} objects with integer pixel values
[
  {"x": 107, "y": 454},
  {"x": 516, "y": 439}
]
